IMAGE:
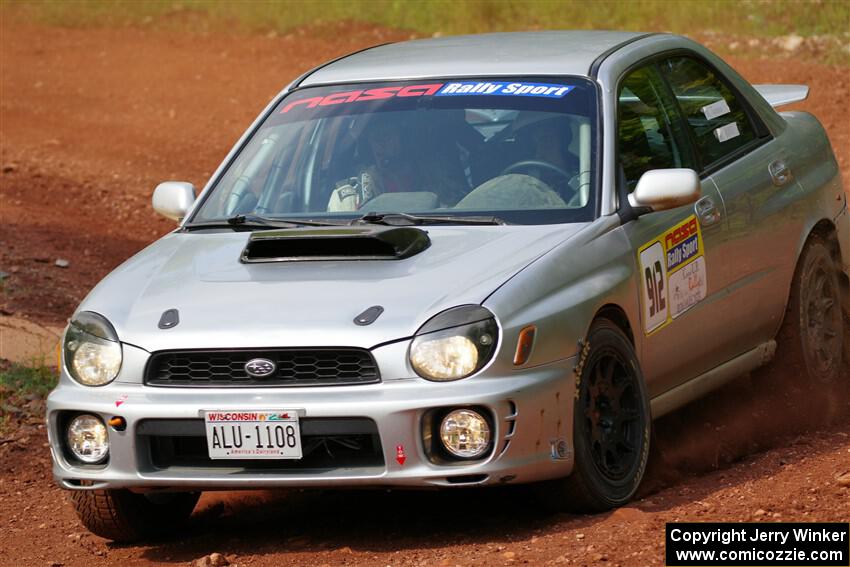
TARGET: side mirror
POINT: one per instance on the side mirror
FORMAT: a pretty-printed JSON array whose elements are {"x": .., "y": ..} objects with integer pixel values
[
  {"x": 662, "y": 189},
  {"x": 172, "y": 199}
]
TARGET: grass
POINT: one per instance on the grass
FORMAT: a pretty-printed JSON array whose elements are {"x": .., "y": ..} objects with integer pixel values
[
  {"x": 17, "y": 382},
  {"x": 25, "y": 380},
  {"x": 745, "y": 17}
]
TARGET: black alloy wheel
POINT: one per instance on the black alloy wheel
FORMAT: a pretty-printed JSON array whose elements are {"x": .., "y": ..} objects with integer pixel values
[
  {"x": 812, "y": 336},
  {"x": 612, "y": 414},
  {"x": 611, "y": 426}
]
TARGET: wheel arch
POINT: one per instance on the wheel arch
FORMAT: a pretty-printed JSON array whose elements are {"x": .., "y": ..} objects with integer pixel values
[
  {"x": 618, "y": 316},
  {"x": 794, "y": 348}
]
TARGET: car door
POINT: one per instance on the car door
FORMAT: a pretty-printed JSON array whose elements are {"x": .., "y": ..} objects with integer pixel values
[
  {"x": 736, "y": 149},
  {"x": 676, "y": 250}
]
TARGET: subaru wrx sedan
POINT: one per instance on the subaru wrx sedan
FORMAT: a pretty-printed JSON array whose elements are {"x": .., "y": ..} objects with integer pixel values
[{"x": 465, "y": 261}]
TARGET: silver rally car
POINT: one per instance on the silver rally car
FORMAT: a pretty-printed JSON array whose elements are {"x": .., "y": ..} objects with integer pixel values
[{"x": 461, "y": 261}]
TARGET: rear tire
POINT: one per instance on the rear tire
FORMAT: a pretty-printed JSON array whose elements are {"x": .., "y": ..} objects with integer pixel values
[
  {"x": 124, "y": 516},
  {"x": 811, "y": 339},
  {"x": 611, "y": 426}
]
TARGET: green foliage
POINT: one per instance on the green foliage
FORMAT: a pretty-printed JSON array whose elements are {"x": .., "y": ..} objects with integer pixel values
[
  {"x": 746, "y": 17},
  {"x": 23, "y": 380}
]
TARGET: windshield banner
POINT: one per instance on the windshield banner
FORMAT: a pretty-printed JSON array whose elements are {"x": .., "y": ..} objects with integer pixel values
[{"x": 457, "y": 88}]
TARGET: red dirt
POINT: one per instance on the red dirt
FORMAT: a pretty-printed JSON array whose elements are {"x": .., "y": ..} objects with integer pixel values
[{"x": 91, "y": 120}]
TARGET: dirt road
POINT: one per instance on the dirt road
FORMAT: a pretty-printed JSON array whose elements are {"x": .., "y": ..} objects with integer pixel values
[{"x": 91, "y": 120}]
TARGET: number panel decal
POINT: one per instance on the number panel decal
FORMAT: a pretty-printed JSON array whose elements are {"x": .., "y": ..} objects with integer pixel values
[
  {"x": 673, "y": 275},
  {"x": 654, "y": 271}
]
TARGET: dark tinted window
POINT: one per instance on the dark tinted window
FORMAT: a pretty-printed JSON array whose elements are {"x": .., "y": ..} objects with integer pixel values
[
  {"x": 650, "y": 132},
  {"x": 716, "y": 117}
]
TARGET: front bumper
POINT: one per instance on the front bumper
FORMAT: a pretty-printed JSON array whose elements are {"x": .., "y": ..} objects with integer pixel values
[{"x": 532, "y": 431}]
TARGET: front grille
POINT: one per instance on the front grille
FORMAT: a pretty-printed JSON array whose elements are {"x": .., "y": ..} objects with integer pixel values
[
  {"x": 327, "y": 444},
  {"x": 295, "y": 367}
]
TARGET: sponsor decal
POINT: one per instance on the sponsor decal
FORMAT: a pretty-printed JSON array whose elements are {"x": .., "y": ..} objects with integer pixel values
[
  {"x": 364, "y": 96},
  {"x": 682, "y": 243},
  {"x": 545, "y": 90},
  {"x": 673, "y": 274},
  {"x": 457, "y": 88},
  {"x": 399, "y": 454},
  {"x": 687, "y": 287}
]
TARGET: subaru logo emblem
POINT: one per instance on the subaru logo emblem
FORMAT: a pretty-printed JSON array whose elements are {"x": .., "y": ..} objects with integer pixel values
[{"x": 260, "y": 367}]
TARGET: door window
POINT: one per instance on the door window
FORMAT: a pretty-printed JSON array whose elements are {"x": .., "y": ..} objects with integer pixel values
[
  {"x": 649, "y": 131},
  {"x": 717, "y": 119}
]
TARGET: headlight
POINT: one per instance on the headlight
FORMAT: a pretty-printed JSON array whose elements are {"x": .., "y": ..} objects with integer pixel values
[
  {"x": 87, "y": 439},
  {"x": 455, "y": 343},
  {"x": 465, "y": 434},
  {"x": 91, "y": 350}
]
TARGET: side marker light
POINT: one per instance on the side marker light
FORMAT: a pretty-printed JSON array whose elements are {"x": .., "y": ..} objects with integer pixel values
[{"x": 524, "y": 345}]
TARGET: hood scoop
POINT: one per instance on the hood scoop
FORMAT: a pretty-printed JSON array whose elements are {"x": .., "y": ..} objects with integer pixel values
[{"x": 374, "y": 242}]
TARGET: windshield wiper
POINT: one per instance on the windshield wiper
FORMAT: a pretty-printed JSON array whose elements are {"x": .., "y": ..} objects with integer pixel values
[
  {"x": 257, "y": 220},
  {"x": 404, "y": 219},
  {"x": 254, "y": 222}
]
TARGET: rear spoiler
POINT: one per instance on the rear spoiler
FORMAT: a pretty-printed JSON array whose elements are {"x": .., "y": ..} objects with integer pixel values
[{"x": 780, "y": 95}]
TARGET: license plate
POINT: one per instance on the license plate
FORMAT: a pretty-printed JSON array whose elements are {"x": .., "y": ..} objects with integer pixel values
[{"x": 250, "y": 434}]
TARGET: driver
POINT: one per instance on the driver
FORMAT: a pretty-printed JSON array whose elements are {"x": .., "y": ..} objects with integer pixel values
[
  {"x": 543, "y": 176},
  {"x": 548, "y": 138},
  {"x": 394, "y": 166}
]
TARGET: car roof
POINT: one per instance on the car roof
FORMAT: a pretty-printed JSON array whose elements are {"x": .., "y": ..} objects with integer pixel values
[{"x": 483, "y": 55}]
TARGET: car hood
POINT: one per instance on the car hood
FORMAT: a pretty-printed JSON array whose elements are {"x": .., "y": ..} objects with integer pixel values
[{"x": 224, "y": 303}]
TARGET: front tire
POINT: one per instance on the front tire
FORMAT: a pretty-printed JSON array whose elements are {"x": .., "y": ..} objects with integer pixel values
[
  {"x": 124, "y": 516},
  {"x": 611, "y": 425}
]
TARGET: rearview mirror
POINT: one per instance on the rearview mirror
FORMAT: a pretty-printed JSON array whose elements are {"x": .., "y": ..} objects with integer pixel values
[
  {"x": 172, "y": 199},
  {"x": 662, "y": 189}
]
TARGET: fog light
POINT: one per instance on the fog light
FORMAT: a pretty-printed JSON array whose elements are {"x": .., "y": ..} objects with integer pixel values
[
  {"x": 87, "y": 439},
  {"x": 465, "y": 433}
]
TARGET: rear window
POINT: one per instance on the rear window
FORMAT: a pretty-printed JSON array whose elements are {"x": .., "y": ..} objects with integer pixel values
[{"x": 717, "y": 119}]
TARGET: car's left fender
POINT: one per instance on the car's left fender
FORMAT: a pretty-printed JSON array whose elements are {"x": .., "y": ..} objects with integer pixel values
[{"x": 561, "y": 292}]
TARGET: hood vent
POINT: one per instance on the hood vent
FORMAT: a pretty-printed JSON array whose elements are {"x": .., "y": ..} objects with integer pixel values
[{"x": 335, "y": 243}]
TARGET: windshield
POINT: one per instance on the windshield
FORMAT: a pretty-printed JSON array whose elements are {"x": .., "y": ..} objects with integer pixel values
[{"x": 521, "y": 150}]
